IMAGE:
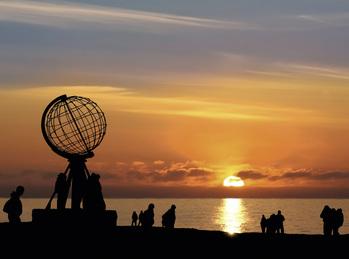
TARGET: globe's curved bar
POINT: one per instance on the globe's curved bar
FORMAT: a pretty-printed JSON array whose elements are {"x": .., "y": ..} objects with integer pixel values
[{"x": 73, "y": 126}]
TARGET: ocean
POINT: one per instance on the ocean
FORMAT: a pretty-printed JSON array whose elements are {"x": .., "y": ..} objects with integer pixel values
[{"x": 232, "y": 215}]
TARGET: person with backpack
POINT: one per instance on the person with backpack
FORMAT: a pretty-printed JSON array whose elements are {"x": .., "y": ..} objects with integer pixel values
[{"x": 13, "y": 207}]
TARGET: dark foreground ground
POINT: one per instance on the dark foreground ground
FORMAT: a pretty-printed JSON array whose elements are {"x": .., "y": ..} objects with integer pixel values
[{"x": 32, "y": 241}]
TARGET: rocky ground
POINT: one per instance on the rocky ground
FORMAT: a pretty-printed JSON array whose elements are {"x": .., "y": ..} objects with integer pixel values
[{"x": 46, "y": 241}]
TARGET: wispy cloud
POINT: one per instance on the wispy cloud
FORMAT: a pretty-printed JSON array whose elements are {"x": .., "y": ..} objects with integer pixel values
[
  {"x": 257, "y": 66},
  {"x": 328, "y": 19},
  {"x": 314, "y": 70},
  {"x": 122, "y": 100},
  {"x": 66, "y": 15}
]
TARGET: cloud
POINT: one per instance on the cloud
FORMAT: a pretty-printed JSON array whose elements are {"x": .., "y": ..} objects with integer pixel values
[
  {"x": 199, "y": 173},
  {"x": 191, "y": 174},
  {"x": 257, "y": 65},
  {"x": 138, "y": 163},
  {"x": 187, "y": 173},
  {"x": 28, "y": 173},
  {"x": 314, "y": 70},
  {"x": 251, "y": 175},
  {"x": 308, "y": 175},
  {"x": 123, "y": 100},
  {"x": 136, "y": 175},
  {"x": 301, "y": 174},
  {"x": 68, "y": 15},
  {"x": 292, "y": 176},
  {"x": 159, "y": 162},
  {"x": 168, "y": 176},
  {"x": 338, "y": 19},
  {"x": 331, "y": 176}
]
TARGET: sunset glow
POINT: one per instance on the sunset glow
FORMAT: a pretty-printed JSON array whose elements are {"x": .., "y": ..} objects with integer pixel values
[
  {"x": 232, "y": 215},
  {"x": 192, "y": 93},
  {"x": 233, "y": 181}
]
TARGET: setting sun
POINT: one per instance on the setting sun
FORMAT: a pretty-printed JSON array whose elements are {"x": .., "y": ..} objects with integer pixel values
[{"x": 233, "y": 181}]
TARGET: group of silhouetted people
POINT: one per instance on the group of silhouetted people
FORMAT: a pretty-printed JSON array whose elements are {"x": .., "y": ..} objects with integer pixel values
[
  {"x": 333, "y": 219},
  {"x": 274, "y": 224},
  {"x": 146, "y": 218},
  {"x": 93, "y": 197},
  {"x": 92, "y": 200}
]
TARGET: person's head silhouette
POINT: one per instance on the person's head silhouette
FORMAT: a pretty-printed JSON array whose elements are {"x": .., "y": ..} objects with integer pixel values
[
  {"x": 173, "y": 207},
  {"x": 151, "y": 206},
  {"x": 20, "y": 190},
  {"x": 279, "y": 212}
]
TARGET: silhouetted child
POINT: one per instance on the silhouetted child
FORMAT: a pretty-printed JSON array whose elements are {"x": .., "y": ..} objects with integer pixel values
[
  {"x": 148, "y": 216},
  {"x": 62, "y": 190},
  {"x": 169, "y": 217},
  {"x": 279, "y": 221},
  {"x": 13, "y": 207},
  {"x": 263, "y": 223},
  {"x": 134, "y": 219},
  {"x": 141, "y": 218}
]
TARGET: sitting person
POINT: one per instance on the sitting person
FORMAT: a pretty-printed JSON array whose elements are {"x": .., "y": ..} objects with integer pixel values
[{"x": 169, "y": 217}]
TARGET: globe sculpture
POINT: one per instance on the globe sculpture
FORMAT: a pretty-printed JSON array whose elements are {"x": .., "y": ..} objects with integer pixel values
[{"x": 73, "y": 127}]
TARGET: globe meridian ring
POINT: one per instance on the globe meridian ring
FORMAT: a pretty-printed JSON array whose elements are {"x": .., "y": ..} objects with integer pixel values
[{"x": 73, "y": 126}]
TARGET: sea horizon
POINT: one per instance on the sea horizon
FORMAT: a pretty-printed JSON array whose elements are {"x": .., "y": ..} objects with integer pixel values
[{"x": 231, "y": 215}]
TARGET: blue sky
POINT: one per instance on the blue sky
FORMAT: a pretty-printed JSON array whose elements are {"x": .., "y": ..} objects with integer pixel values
[{"x": 107, "y": 42}]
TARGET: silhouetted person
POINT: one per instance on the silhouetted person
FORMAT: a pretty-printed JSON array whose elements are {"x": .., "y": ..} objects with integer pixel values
[
  {"x": 134, "y": 219},
  {"x": 272, "y": 224},
  {"x": 338, "y": 221},
  {"x": 93, "y": 199},
  {"x": 62, "y": 190},
  {"x": 332, "y": 221},
  {"x": 148, "y": 216},
  {"x": 279, "y": 220},
  {"x": 78, "y": 179},
  {"x": 326, "y": 218},
  {"x": 169, "y": 217},
  {"x": 263, "y": 224},
  {"x": 141, "y": 218},
  {"x": 13, "y": 207}
]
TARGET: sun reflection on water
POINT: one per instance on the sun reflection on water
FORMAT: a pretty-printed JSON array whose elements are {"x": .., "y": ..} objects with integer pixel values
[{"x": 232, "y": 215}]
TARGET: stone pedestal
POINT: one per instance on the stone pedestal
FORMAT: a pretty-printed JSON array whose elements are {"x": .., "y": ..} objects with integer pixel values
[{"x": 76, "y": 217}]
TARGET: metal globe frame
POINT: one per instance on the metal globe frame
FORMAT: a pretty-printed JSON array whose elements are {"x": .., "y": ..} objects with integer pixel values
[{"x": 74, "y": 137}]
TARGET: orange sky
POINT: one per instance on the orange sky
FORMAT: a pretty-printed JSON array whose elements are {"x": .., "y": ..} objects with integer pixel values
[
  {"x": 269, "y": 132},
  {"x": 193, "y": 93}
]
